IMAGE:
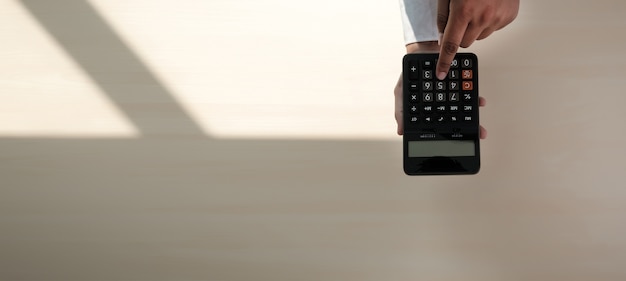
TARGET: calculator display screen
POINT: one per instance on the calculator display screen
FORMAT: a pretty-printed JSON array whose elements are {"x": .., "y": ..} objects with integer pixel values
[{"x": 448, "y": 148}]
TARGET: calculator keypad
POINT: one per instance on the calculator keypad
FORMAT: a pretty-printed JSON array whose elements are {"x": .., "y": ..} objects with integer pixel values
[{"x": 443, "y": 106}]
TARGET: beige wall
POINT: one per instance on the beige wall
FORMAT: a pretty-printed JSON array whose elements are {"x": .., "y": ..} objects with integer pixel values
[{"x": 254, "y": 140}]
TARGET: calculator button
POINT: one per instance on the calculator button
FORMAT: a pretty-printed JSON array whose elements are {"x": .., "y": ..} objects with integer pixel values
[
  {"x": 428, "y": 108},
  {"x": 467, "y": 118},
  {"x": 414, "y": 119},
  {"x": 453, "y": 74},
  {"x": 427, "y": 97},
  {"x": 467, "y": 74},
  {"x": 468, "y": 85},
  {"x": 427, "y": 64},
  {"x": 427, "y": 74},
  {"x": 453, "y": 86},
  {"x": 454, "y": 108},
  {"x": 428, "y": 119},
  {"x": 441, "y": 108},
  {"x": 440, "y": 97},
  {"x": 414, "y": 86},
  {"x": 440, "y": 86},
  {"x": 454, "y": 63},
  {"x": 466, "y": 63},
  {"x": 413, "y": 70},
  {"x": 414, "y": 98},
  {"x": 454, "y": 96},
  {"x": 427, "y": 86},
  {"x": 468, "y": 108},
  {"x": 413, "y": 109},
  {"x": 454, "y": 118},
  {"x": 467, "y": 96},
  {"x": 441, "y": 119}
]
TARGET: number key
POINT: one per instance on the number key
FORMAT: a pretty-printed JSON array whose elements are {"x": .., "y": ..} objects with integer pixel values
[
  {"x": 427, "y": 74},
  {"x": 427, "y": 86},
  {"x": 440, "y": 86},
  {"x": 453, "y": 96},
  {"x": 427, "y": 97},
  {"x": 441, "y": 97}
]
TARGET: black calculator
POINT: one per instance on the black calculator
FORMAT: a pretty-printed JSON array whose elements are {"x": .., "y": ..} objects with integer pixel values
[{"x": 441, "y": 128}]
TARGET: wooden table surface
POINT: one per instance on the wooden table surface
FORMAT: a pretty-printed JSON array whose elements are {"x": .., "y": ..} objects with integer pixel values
[{"x": 254, "y": 140}]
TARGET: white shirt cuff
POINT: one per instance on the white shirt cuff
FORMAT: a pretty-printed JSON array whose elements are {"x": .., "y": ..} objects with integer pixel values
[{"x": 419, "y": 20}]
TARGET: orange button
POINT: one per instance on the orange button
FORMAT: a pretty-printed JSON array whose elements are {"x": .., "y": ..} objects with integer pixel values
[
  {"x": 467, "y": 74},
  {"x": 468, "y": 85}
]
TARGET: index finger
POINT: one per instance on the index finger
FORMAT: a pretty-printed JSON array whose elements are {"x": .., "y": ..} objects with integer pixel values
[{"x": 452, "y": 36}]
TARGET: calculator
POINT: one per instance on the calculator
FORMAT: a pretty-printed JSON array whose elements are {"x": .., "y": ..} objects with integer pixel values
[{"x": 441, "y": 128}]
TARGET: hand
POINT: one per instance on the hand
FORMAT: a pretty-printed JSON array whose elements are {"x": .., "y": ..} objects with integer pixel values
[
  {"x": 464, "y": 21},
  {"x": 416, "y": 48}
]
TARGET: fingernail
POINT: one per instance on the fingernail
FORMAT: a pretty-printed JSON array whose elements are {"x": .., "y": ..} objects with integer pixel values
[{"x": 441, "y": 75}]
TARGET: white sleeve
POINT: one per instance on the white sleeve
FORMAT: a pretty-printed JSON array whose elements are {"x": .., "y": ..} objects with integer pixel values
[{"x": 419, "y": 20}]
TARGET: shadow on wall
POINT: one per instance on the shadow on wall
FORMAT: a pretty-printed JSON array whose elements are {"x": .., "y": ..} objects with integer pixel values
[{"x": 113, "y": 66}]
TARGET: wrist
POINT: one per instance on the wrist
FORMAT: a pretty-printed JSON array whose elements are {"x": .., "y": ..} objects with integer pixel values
[{"x": 421, "y": 47}]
